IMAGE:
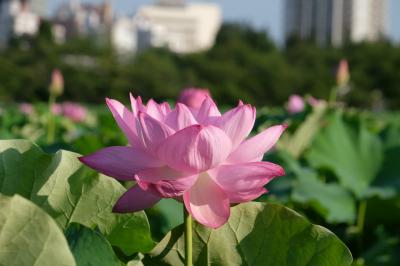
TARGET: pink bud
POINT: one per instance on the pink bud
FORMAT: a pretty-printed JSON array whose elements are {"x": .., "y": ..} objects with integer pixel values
[
  {"x": 295, "y": 104},
  {"x": 193, "y": 97},
  {"x": 26, "y": 108},
  {"x": 57, "y": 83},
  {"x": 342, "y": 74}
]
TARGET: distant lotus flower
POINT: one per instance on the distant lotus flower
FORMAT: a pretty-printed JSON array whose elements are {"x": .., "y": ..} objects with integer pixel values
[
  {"x": 198, "y": 156},
  {"x": 56, "y": 109},
  {"x": 342, "y": 74},
  {"x": 314, "y": 101},
  {"x": 193, "y": 97},
  {"x": 74, "y": 111},
  {"x": 26, "y": 108},
  {"x": 295, "y": 104},
  {"x": 57, "y": 83}
]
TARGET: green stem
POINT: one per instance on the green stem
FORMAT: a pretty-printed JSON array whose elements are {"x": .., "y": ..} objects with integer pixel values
[
  {"x": 51, "y": 126},
  {"x": 361, "y": 216},
  {"x": 333, "y": 96},
  {"x": 188, "y": 237},
  {"x": 360, "y": 221}
]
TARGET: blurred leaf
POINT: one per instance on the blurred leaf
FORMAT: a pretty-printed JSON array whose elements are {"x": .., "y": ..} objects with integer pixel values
[
  {"x": 392, "y": 134},
  {"x": 384, "y": 251},
  {"x": 383, "y": 211},
  {"x": 301, "y": 139},
  {"x": 381, "y": 192},
  {"x": 256, "y": 234},
  {"x": 69, "y": 192},
  {"x": 332, "y": 201},
  {"x": 164, "y": 216},
  {"x": 355, "y": 157},
  {"x": 90, "y": 247},
  {"x": 29, "y": 236},
  {"x": 389, "y": 175},
  {"x": 172, "y": 211}
]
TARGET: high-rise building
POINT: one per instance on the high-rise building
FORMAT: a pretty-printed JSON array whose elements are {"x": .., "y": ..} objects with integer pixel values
[
  {"x": 336, "y": 21},
  {"x": 94, "y": 20},
  {"x": 368, "y": 19},
  {"x": 17, "y": 19},
  {"x": 123, "y": 35},
  {"x": 179, "y": 26},
  {"x": 39, "y": 7}
]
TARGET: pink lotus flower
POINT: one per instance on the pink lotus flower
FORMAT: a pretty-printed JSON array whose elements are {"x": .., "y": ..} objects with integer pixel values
[
  {"x": 73, "y": 111},
  {"x": 26, "y": 108},
  {"x": 314, "y": 101},
  {"x": 193, "y": 97},
  {"x": 56, "y": 109},
  {"x": 295, "y": 104},
  {"x": 201, "y": 157}
]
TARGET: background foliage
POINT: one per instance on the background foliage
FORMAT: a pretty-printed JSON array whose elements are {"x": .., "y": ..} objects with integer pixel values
[{"x": 244, "y": 63}]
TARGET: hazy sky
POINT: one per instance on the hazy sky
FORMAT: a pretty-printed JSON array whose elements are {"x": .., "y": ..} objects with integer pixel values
[{"x": 261, "y": 13}]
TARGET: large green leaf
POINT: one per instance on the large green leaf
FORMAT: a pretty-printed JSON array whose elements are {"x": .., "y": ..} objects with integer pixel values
[
  {"x": 355, "y": 157},
  {"x": 164, "y": 216},
  {"x": 90, "y": 247},
  {"x": 29, "y": 236},
  {"x": 256, "y": 234},
  {"x": 70, "y": 192},
  {"x": 389, "y": 175},
  {"x": 334, "y": 202},
  {"x": 331, "y": 200}
]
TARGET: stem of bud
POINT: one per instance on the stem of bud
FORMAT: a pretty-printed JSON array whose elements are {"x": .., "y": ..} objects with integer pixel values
[{"x": 188, "y": 237}]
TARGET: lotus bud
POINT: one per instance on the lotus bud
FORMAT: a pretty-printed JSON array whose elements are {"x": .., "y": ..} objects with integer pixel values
[
  {"x": 342, "y": 74},
  {"x": 295, "y": 104},
  {"x": 57, "y": 83},
  {"x": 193, "y": 97}
]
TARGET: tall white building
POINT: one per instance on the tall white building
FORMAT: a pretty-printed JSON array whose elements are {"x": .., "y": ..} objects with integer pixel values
[
  {"x": 17, "y": 19},
  {"x": 181, "y": 27},
  {"x": 336, "y": 21},
  {"x": 369, "y": 19},
  {"x": 124, "y": 36}
]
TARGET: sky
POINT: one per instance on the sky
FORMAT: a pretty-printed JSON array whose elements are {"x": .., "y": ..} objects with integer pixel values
[{"x": 263, "y": 14}]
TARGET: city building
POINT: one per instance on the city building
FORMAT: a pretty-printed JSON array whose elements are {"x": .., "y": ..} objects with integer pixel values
[
  {"x": 181, "y": 27},
  {"x": 336, "y": 21},
  {"x": 17, "y": 19},
  {"x": 174, "y": 24},
  {"x": 83, "y": 19},
  {"x": 39, "y": 7},
  {"x": 124, "y": 36}
]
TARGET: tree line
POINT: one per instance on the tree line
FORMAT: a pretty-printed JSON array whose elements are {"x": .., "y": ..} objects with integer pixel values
[{"x": 243, "y": 64}]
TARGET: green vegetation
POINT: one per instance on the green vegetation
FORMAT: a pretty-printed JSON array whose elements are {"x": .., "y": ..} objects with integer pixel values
[
  {"x": 244, "y": 63},
  {"x": 341, "y": 163},
  {"x": 344, "y": 176}
]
